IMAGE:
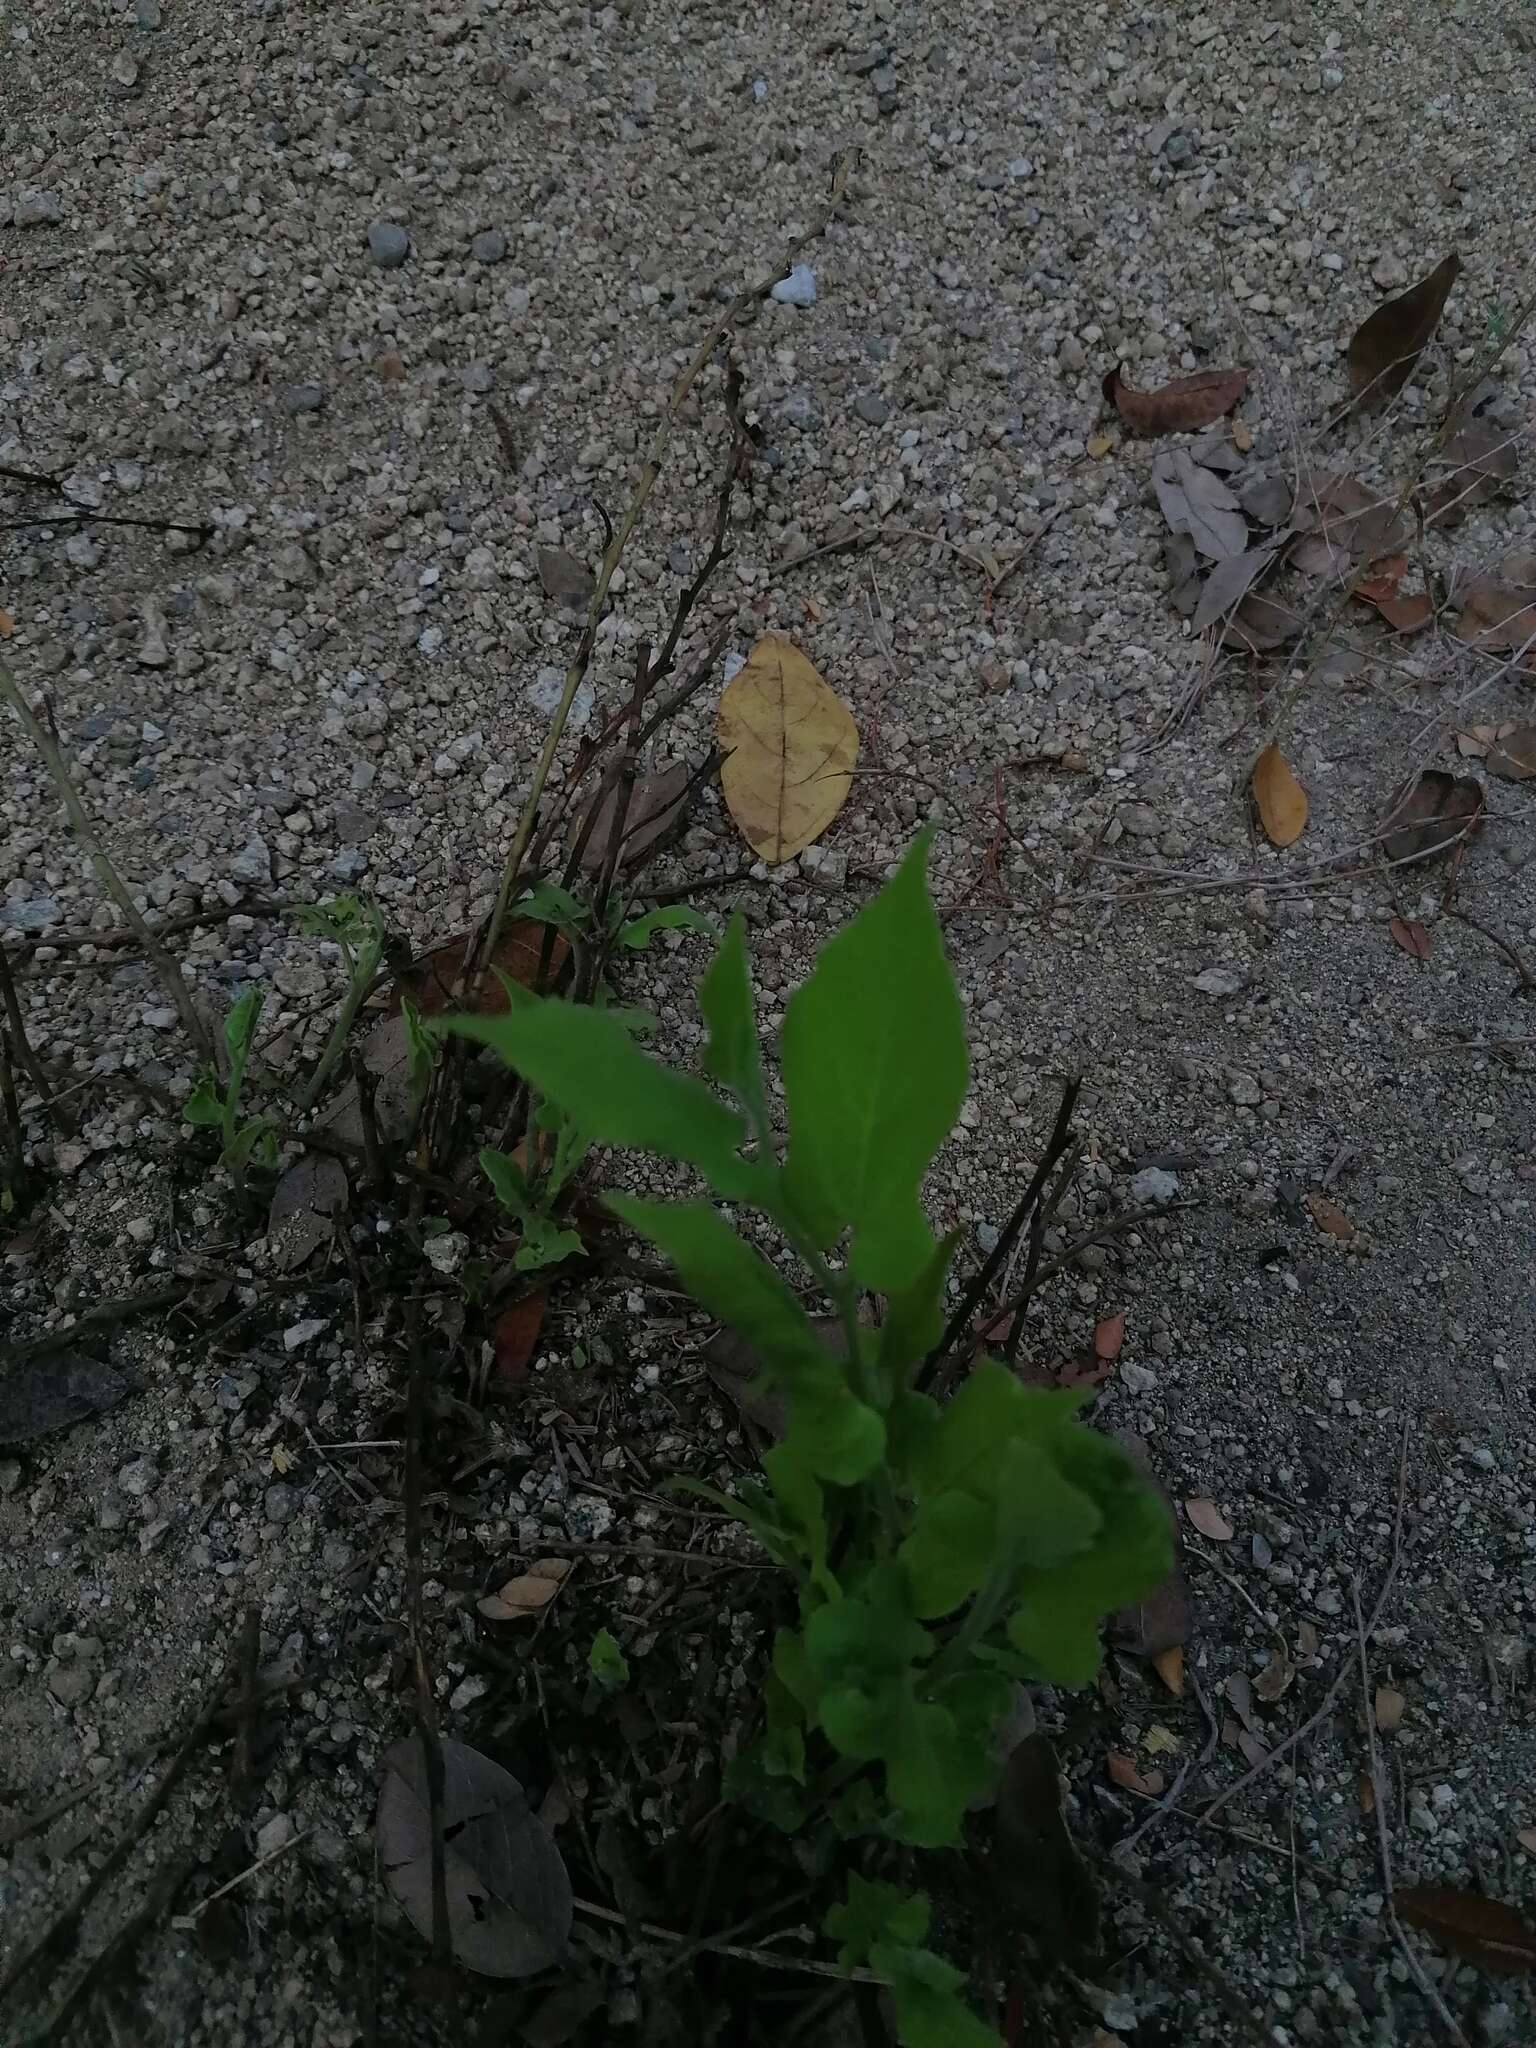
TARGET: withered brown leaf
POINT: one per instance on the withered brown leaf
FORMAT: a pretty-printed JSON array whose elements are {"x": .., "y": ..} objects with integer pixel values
[
  {"x": 1385, "y": 347},
  {"x": 1182, "y": 407},
  {"x": 1433, "y": 813},
  {"x": 1485, "y": 1931}
]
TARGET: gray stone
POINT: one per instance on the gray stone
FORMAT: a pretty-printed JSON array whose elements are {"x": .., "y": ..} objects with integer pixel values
[
  {"x": 478, "y": 378},
  {"x": 1244, "y": 1090},
  {"x": 253, "y": 864},
  {"x": 1137, "y": 1379},
  {"x": 872, "y": 408},
  {"x": 1153, "y": 1184},
  {"x": 137, "y": 1477},
  {"x": 1220, "y": 981},
  {"x": 798, "y": 289},
  {"x": 294, "y": 566},
  {"x": 1178, "y": 149},
  {"x": 388, "y": 244},
  {"x": 801, "y": 411},
  {"x": 1140, "y": 820},
  {"x": 72, "y": 1684},
  {"x": 153, "y": 652},
  {"x": 302, "y": 398},
  {"x": 36, "y": 209},
  {"x": 147, "y": 13},
  {"x": 33, "y": 916},
  {"x": 279, "y": 1502},
  {"x": 489, "y": 246}
]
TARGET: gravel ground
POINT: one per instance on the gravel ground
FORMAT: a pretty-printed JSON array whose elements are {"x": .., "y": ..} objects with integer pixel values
[{"x": 267, "y": 269}]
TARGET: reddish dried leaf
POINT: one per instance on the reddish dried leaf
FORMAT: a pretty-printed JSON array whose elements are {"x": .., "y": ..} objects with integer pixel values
[
  {"x": 1409, "y": 614},
  {"x": 515, "y": 1338},
  {"x": 7, "y": 625},
  {"x": 1274, "y": 1681},
  {"x": 1109, "y": 1335},
  {"x": 390, "y": 367},
  {"x": 1485, "y": 1931},
  {"x": 1182, "y": 407},
  {"x": 1411, "y": 936},
  {"x": 1086, "y": 1372},
  {"x": 1367, "y": 1791},
  {"x": 1496, "y": 617},
  {"x": 1384, "y": 348},
  {"x": 1329, "y": 1216},
  {"x": 1123, "y": 1771},
  {"x": 1390, "y": 571},
  {"x": 438, "y": 981},
  {"x": 1205, "y": 1516},
  {"x": 1434, "y": 813}
]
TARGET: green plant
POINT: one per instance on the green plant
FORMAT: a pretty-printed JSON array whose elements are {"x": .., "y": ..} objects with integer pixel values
[
  {"x": 243, "y": 1140},
  {"x": 941, "y": 1555},
  {"x": 884, "y": 1928},
  {"x": 607, "y": 1663},
  {"x": 357, "y": 931}
]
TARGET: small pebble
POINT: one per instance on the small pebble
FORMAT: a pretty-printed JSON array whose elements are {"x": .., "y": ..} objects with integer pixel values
[
  {"x": 388, "y": 244},
  {"x": 798, "y": 289}
]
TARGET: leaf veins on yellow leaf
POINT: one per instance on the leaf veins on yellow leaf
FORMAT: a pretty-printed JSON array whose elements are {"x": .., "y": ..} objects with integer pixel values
[{"x": 789, "y": 744}]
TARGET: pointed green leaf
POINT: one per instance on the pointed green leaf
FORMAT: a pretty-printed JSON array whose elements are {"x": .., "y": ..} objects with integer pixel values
[
  {"x": 733, "y": 1055},
  {"x": 875, "y": 1071},
  {"x": 932, "y": 1773},
  {"x": 799, "y": 1495},
  {"x": 974, "y": 1431},
  {"x": 545, "y": 1244},
  {"x": 203, "y": 1105},
  {"x": 834, "y": 1434},
  {"x": 607, "y": 1662},
  {"x": 586, "y": 1061},
  {"x": 1042, "y": 1519},
  {"x": 639, "y": 932},
  {"x": 914, "y": 1316},
  {"x": 508, "y": 1179},
  {"x": 1056, "y": 1622}
]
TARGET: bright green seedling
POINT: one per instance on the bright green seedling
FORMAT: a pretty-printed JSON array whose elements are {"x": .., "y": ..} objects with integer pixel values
[
  {"x": 942, "y": 1554},
  {"x": 883, "y": 1928},
  {"x": 244, "y": 1141},
  {"x": 607, "y": 1663}
]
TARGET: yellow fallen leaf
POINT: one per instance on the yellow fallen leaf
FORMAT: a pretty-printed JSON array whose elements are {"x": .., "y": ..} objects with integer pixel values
[
  {"x": 522, "y": 1597},
  {"x": 1159, "y": 1741},
  {"x": 1169, "y": 1666},
  {"x": 789, "y": 745},
  {"x": 1099, "y": 445},
  {"x": 282, "y": 1461},
  {"x": 7, "y": 625},
  {"x": 1242, "y": 436},
  {"x": 1281, "y": 800}
]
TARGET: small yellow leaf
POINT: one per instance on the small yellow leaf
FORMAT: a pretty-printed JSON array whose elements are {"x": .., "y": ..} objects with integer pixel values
[
  {"x": 7, "y": 625},
  {"x": 789, "y": 745},
  {"x": 1169, "y": 1667},
  {"x": 1099, "y": 445},
  {"x": 1242, "y": 436},
  {"x": 1159, "y": 1741},
  {"x": 521, "y": 1598},
  {"x": 1281, "y": 800},
  {"x": 282, "y": 1461}
]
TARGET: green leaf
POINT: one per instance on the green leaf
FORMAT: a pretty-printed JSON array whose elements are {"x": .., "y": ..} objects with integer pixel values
[
  {"x": 544, "y": 1244},
  {"x": 239, "y": 1026},
  {"x": 203, "y": 1105},
  {"x": 423, "y": 1050},
  {"x": 725, "y": 1275},
  {"x": 949, "y": 1551},
  {"x": 914, "y": 1316},
  {"x": 910, "y": 1422},
  {"x": 509, "y": 1181},
  {"x": 805, "y": 1511},
  {"x": 834, "y": 1434},
  {"x": 1056, "y": 1623},
  {"x": 783, "y": 1747},
  {"x": 976, "y": 1427},
  {"x": 607, "y": 1662},
  {"x": 587, "y": 1061},
  {"x": 854, "y": 1721},
  {"x": 1042, "y": 1519},
  {"x": 754, "y": 1512},
  {"x": 862, "y": 1642},
  {"x": 875, "y": 1069},
  {"x": 978, "y": 1699},
  {"x": 874, "y": 1914},
  {"x": 929, "y": 2010},
  {"x": 639, "y": 932},
  {"x": 932, "y": 1773},
  {"x": 548, "y": 903},
  {"x": 733, "y": 1055}
]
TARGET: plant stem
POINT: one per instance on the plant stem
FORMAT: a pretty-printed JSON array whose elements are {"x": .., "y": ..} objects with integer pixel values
[
  {"x": 620, "y": 540},
  {"x": 359, "y": 981},
  {"x": 169, "y": 973},
  {"x": 25, "y": 1056}
]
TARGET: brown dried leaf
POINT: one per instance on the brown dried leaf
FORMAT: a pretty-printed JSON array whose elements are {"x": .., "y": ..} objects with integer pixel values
[
  {"x": 1385, "y": 347},
  {"x": 1239, "y": 1690},
  {"x": 1205, "y": 1516},
  {"x": 1497, "y": 617},
  {"x": 1169, "y": 1666},
  {"x": 529, "y": 1593},
  {"x": 1279, "y": 798},
  {"x": 789, "y": 745},
  {"x": 655, "y": 807},
  {"x": 1182, "y": 407},
  {"x": 564, "y": 578},
  {"x": 1514, "y": 758},
  {"x": 1254, "y": 1753},
  {"x": 1526, "y": 1837},
  {"x": 43, "y": 1394},
  {"x": 1411, "y": 936},
  {"x": 509, "y": 1896},
  {"x": 1433, "y": 814},
  {"x": 738, "y": 1369},
  {"x": 390, "y": 367},
  {"x": 1390, "y": 571},
  {"x": 1329, "y": 1216},
  {"x": 1485, "y": 1931},
  {"x": 1367, "y": 1792},
  {"x": 1196, "y": 501},
  {"x": 515, "y": 1338},
  {"x": 1099, "y": 446},
  {"x": 1261, "y": 624},
  {"x": 1109, "y": 1335},
  {"x": 439, "y": 980},
  {"x": 1483, "y": 459},
  {"x": 1266, "y": 500},
  {"x": 1307, "y": 1640},
  {"x": 1034, "y": 1860},
  {"x": 1389, "y": 1709},
  {"x": 1274, "y": 1681},
  {"x": 1409, "y": 614},
  {"x": 308, "y": 1198},
  {"x": 1230, "y": 581},
  {"x": 1122, "y": 1769},
  {"x": 1183, "y": 573}
]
